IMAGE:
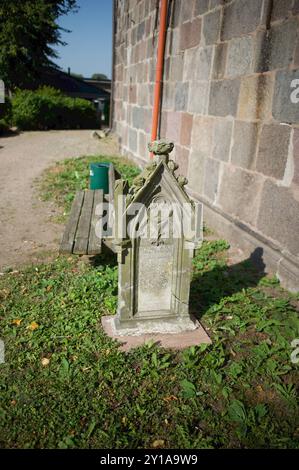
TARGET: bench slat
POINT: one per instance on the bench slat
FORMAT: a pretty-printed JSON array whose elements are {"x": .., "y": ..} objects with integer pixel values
[
  {"x": 95, "y": 243},
  {"x": 68, "y": 238},
  {"x": 83, "y": 230},
  {"x": 111, "y": 176}
]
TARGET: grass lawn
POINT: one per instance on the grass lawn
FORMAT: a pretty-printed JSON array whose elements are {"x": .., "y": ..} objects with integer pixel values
[{"x": 65, "y": 384}]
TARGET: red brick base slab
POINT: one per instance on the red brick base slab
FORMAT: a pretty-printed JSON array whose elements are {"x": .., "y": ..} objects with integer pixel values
[{"x": 173, "y": 341}]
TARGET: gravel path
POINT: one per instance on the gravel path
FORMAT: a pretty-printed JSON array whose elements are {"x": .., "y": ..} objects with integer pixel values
[{"x": 26, "y": 231}]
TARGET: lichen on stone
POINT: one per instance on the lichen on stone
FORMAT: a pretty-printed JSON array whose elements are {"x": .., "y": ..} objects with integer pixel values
[
  {"x": 160, "y": 147},
  {"x": 182, "y": 180}
]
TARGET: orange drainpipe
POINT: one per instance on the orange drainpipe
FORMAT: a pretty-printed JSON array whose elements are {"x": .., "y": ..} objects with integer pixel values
[{"x": 159, "y": 69}]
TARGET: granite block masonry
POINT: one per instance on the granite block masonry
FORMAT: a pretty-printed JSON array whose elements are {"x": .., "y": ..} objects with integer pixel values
[
  {"x": 231, "y": 105},
  {"x": 162, "y": 229}
]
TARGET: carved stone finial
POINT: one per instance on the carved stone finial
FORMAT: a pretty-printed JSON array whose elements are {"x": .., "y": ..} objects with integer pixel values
[
  {"x": 161, "y": 150},
  {"x": 160, "y": 147}
]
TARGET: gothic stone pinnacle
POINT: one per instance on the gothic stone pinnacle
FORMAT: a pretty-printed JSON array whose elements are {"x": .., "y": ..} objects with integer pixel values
[{"x": 160, "y": 147}]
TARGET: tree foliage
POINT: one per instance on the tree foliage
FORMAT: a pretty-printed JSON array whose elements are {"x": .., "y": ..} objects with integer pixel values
[
  {"x": 28, "y": 32},
  {"x": 99, "y": 76},
  {"x": 77, "y": 75}
]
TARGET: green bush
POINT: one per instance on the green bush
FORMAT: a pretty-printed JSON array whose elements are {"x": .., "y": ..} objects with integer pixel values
[
  {"x": 5, "y": 115},
  {"x": 47, "y": 108}
]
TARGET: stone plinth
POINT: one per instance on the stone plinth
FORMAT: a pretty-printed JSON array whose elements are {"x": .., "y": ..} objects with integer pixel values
[{"x": 177, "y": 341}]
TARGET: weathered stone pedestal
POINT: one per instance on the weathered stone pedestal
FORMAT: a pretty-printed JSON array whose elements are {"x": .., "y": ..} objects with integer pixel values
[
  {"x": 155, "y": 255},
  {"x": 182, "y": 340}
]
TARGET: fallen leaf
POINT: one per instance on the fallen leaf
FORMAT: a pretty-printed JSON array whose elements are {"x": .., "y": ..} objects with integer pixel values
[
  {"x": 170, "y": 398},
  {"x": 33, "y": 326},
  {"x": 158, "y": 443},
  {"x": 16, "y": 322},
  {"x": 45, "y": 361},
  {"x": 4, "y": 293},
  {"x": 259, "y": 389},
  {"x": 13, "y": 402}
]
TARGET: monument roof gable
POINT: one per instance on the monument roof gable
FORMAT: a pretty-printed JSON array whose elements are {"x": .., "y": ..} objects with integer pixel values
[{"x": 158, "y": 177}]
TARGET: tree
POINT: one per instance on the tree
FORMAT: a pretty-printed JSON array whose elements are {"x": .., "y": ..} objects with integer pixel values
[
  {"x": 28, "y": 32},
  {"x": 77, "y": 75},
  {"x": 99, "y": 76}
]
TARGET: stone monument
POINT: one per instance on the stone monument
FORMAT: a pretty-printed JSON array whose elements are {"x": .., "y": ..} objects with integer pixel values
[{"x": 161, "y": 227}]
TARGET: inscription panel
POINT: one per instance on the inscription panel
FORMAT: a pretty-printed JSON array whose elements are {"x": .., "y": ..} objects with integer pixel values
[{"x": 154, "y": 276}]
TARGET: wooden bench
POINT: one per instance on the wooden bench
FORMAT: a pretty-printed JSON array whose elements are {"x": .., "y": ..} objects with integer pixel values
[{"x": 79, "y": 236}]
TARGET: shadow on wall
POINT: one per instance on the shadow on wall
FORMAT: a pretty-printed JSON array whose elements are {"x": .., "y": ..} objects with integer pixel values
[
  {"x": 264, "y": 59},
  {"x": 254, "y": 94},
  {"x": 263, "y": 64},
  {"x": 210, "y": 287}
]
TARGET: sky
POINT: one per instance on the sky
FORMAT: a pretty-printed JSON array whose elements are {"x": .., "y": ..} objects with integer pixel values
[{"x": 89, "y": 45}]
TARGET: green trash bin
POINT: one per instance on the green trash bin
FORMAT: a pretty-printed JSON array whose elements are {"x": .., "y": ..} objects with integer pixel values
[{"x": 99, "y": 176}]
